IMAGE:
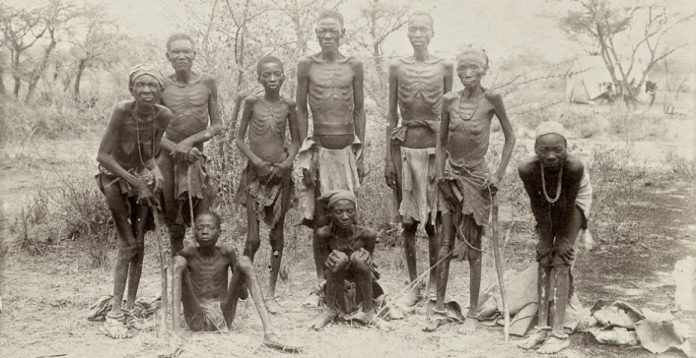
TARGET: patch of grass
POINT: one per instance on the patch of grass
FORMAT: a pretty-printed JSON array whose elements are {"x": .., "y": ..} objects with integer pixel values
[{"x": 685, "y": 168}]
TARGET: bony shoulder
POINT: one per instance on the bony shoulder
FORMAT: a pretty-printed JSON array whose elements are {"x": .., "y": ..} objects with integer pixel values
[
  {"x": 367, "y": 232},
  {"x": 324, "y": 231},
  {"x": 450, "y": 96},
  {"x": 288, "y": 102},
  {"x": 355, "y": 62},
  {"x": 124, "y": 105},
  {"x": 493, "y": 96},
  {"x": 527, "y": 167},
  {"x": 163, "y": 111},
  {"x": 574, "y": 165},
  {"x": 250, "y": 99}
]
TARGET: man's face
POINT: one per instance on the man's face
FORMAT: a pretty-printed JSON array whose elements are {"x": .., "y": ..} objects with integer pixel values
[
  {"x": 470, "y": 69},
  {"x": 551, "y": 150},
  {"x": 146, "y": 90},
  {"x": 181, "y": 54},
  {"x": 271, "y": 76},
  {"x": 329, "y": 33},
  {"x": 420, "y": 31},
  {"x": 207, "y": 230},
  {"x": 343, "y": 213}
]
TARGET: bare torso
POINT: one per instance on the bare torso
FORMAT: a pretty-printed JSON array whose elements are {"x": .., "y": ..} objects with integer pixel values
[
  {"x": 421, "y": 86},
  {"x": 189, "y": 104},
  {"x": 209, "y": 275},
  {"x": 267, "y": 129},
  {"x": 468, "y": 137},
  {"x": 137, "y": 136},
  {"x": 331, "y": 102}
]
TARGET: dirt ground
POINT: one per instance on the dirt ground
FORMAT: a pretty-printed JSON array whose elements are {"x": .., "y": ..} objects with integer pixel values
[{"x": 46, "y": 297}]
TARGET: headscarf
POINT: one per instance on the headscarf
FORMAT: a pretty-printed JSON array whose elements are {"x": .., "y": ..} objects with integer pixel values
[
  {"x": 551, "y": 127},
  {"x": 144, "y": 69},
  {"x": 335, "y": 196},
  {"x": 478, "y": 52}
]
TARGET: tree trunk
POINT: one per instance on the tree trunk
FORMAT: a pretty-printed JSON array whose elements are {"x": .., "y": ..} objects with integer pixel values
[
  {"x": 15, "y": 75},
  {"x": 78, "y": 77},
  {"x": 40, "y": 69},
  {"x": 2, "y": 82}
]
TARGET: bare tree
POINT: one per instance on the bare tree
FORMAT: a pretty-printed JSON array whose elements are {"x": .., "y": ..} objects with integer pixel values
[
  {"x": 21, "y": 29},
  {"x": 97, "y": 48},
  {"x": 611, "y": 27}
]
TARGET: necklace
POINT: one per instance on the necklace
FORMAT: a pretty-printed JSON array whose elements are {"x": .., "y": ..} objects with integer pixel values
[
  {"x": 558, "y": 184},
  {"x": 137, "y": 133},
  {"x": 467, "y": 112}
]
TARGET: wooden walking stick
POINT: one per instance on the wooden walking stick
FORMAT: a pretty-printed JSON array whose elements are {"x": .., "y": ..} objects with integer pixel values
[
  {"x": 499, "y": 266},
  {"x": 159, "y": 225}
]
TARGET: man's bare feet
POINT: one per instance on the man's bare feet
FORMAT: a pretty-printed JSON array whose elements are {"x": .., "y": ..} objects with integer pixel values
[
  {"x": 470, "y": 325},
  {"x": 115, "y": 325},
  {"x": 554, "y": 344},
  {"x": 363, "y": 317},
  {"x": 271, "y": 340},
  {"x": 535, "y": 338},
  {"x": 323, "y": 319},
  {"x": 437, "y": 319},
  {"x": 410, "y": 298}
]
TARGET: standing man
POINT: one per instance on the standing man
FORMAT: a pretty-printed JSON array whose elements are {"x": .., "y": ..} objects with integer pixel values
[
  {"x": 193, "y": 99},
  {"x": 560, "y": 195},
  {"x": 331, "y": 158},
  {"x": 416, "y": 87}
]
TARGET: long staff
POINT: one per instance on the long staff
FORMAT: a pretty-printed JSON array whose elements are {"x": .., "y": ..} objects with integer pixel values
[
  {"x": 159, "y": 226},
  {"x": 499, "y": 266}
]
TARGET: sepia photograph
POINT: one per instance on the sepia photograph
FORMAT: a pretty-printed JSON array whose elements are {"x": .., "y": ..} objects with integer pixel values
[{"x": 347, "y": 178}]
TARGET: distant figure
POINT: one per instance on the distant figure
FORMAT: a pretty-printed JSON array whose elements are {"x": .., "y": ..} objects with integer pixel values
[
  {"x": 651, "y": 90},
  {"x": 332, "y": 85},
  {"x": 560, "y": 195},
  {"x": 129, "y": 178},
  {"x": 266, "y": 185},
  {"x": 200, "y": 282},
  {"x": 416, "y": 86}
]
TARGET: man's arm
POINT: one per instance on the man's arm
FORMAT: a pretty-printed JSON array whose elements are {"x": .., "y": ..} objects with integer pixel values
[
  {"x": 180, "y": 265},
  {"x": 529, "y": 176},
  {"x": 449, "y": 70},
  {"x": 575, "y": 170},
  {"x": 241, "y": 132},
  {"x": 301, "y": 96},
  {"x": 499, "y": 109},
  {"x": 294, "y": 127},
  {"x": 359, "y": 100},
  {"x": 392, "y": 122},
  {"x": 213, "y": 112},
  {"x": 440, "y": 151}
]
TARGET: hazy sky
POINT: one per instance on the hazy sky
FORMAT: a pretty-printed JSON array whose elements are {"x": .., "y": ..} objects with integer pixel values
[{"x": 499, "y": 26}]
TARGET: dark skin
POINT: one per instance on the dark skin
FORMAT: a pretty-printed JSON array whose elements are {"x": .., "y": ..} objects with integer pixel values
[
  {"x": 416, "y": 86},
  {"x": 118, "y": 153},
  {"x": 193, "y": 98},
  {"x": 466, "y": 140},
  {"x": 328, "y": 81},
  {"x": 346, "y": 249},
  {"x": 201, "y": 275},
  {"x": 266, "y": 152},
  {"x": 562, "y": 219}
]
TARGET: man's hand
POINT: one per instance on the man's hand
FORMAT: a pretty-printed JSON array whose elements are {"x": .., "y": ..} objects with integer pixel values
[
  {"x": 282, "y": 169},
  {"x": 264, "y": 170},
  {"x": 362, "y": 255},
  {"x": 493, "y": 182},
  {"x": 145, "y": 195},
  {"x": 181, "y": 150},
  {"x": 565, "y": 251},
  {"x": 157, "y": 177},
  {"x": 194, "y": 155},
  {"x": 390, "y": 175},
  {"x": 336, "y": 261}
]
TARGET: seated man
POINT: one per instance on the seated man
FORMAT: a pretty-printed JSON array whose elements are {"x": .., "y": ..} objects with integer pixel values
[
  {"x": 200, "y": 282},
  {"x": 346, "y": 250},
  {"x": 560, "y": 195}
]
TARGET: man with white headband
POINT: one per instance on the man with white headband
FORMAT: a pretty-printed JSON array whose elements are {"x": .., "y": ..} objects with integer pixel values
[{"x": 560, "y": 195}]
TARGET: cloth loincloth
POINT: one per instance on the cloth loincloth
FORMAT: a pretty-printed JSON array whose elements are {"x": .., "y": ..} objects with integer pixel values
[
  {"x": 105, "y": 178},
  {"x": 214, "y": 317},
  {"x": 417, "y": 185},
  {"x": 271, "y": 201},
  {"x": 351, "y": 301},
  {"x": 327, "y": 170},
  {"x": 197, "y": 186}
]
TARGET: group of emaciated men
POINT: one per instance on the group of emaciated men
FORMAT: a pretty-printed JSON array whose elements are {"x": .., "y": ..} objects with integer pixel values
[{"x": 152, "y": 160}]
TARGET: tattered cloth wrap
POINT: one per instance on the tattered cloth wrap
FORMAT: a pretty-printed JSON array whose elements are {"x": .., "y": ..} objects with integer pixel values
[
  {"x": 319, "y": 171},
  {"x": 144, "y": 69},
  {"x": 417, "y": 185},
  {"x": 271, "y": 200}
]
